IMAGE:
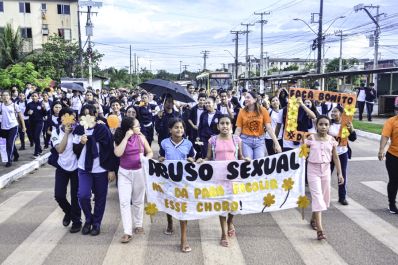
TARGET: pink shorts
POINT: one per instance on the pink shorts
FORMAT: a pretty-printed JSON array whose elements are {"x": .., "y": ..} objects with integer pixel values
[{"x": 318, "y": 176}]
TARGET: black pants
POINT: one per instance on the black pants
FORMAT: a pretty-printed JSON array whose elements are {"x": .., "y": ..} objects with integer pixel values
[
  {"x": 36, "y": 129},
  {"x": 369, "y": 110},
  {"x": 23, "y": 134},
  {"x": 361, "y": 106},
  {"x": 11, "y": 135},
  {"x": 148, "y": 133},
  {"x": 392, "y": 169},
  {"x": 269, "y": 144},
  {"x": 72, "y": 209},
  {"x": 46, "y": 136},
  {"x": 344, "y": 163}
]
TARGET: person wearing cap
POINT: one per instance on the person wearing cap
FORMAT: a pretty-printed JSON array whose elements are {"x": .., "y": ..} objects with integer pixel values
[
  {"x": 390, "y": 132},
  {"x": 370, "y": 96}
]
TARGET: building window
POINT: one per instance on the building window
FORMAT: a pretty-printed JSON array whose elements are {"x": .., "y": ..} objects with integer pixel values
[
  {"x": 24, "y": 7},
  {"x": 65, "y": 34},
  {"x": 44, "y": 30},
  {"x": 26, "y": 33},
  {"x": 63, "y": 9},
  {"x": 1, "y": 6},
  {"x": 43, "y": 6}
]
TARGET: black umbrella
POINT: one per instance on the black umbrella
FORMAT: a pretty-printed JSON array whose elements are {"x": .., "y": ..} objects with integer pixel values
[
  {"x": 160, "y": 87},
  {"x": 72, "y": 86}
]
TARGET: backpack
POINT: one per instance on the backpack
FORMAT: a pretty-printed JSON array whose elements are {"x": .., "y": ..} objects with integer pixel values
[
  {"x": 53, "y": 158},
  {"x": 213, "y": 142}
]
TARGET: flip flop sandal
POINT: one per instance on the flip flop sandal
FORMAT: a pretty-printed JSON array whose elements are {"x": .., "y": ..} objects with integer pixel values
[
  {"x": 320, "y": 235},
  {"x": 313, "y": 225},
  {"x": 139, "y": 230},
  {"x": 231, "y": 232},
  {"x": 125, "y": 239},
  {"x": 185, "y": 248},
  {"x": 224, "y": 243}
]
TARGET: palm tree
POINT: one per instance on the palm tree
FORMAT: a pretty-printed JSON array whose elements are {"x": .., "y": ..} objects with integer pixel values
[{"x": 10, "y": 46}]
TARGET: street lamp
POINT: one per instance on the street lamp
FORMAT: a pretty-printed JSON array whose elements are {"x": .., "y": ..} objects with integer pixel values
[
  {"x": 230, "y": 53},
  {"x": 299, "y": 19}
]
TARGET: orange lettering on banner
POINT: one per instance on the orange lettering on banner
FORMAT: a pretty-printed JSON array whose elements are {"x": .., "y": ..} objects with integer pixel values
[{"x": 344, "y": 99}]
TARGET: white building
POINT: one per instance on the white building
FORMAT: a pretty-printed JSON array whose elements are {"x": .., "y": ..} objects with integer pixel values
[{"x": 37, "y": 20}]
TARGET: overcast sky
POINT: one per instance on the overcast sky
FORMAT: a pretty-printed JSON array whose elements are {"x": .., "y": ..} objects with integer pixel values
[{"x": 164, "y": 32}]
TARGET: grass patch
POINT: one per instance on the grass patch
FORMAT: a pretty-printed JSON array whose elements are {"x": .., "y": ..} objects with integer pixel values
[{"x": 368, "y": 126}]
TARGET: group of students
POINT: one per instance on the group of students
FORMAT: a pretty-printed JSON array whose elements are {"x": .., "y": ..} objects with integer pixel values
[{"x": 89, "y": 154}]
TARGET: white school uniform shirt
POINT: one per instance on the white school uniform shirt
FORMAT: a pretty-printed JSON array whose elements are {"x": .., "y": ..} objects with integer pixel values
[
  {"x": 80, "y": 163},
  {"x": 334, "y": 131},
  {"x": 68, "y": 159},
  {"x": 76, "y": 103},
  {"x": 22, "y": 107},
  {"x": 362, "y": 95},
  {"x": 276, "y": 118},
  {"x": 9, "y": 116}
]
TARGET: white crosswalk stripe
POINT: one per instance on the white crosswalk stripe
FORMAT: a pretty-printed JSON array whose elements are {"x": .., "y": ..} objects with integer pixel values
[
  {"x": 15, "y": 203},
  {"x": 40, "y": 243},
  {"x": 121, "y": 254},
  {"x": 370, "y": 222},
  {"x": 379, "y": 186},
  {"x": 303, "y": 239},
  {"x": 213, "y": 253}
]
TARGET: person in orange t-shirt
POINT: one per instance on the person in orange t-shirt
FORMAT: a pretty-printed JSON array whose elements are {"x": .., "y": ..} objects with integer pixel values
[
  {"x": 390, "y": 132},
  {"x": 250, "y": 127}
]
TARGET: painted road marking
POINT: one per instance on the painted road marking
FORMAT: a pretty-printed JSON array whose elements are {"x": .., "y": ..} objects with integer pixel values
[
  {"x": 304, "y": 241},
  {"x": 379, "y": 186},
  {"x": 120, "y": 254},
  {"x": 36, "y": 248},
  {"x": 370, "y": 222},
  {"x": 15, "y": 203}
]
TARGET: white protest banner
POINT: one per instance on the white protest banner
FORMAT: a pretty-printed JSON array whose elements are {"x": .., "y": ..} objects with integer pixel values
[
  {"x": 189, "y": 191},
  {"x": 3, "y": 150}
]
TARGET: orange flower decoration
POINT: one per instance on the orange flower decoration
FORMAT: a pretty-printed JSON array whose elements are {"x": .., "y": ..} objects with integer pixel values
[
  {"x": 68, "y": 119},
  {"x": 113, "y": 121}
]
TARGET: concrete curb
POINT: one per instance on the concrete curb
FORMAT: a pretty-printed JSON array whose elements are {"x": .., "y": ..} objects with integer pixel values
[
  {"x": 368, "y": 135},
  {"x": 22, "y": 171}
]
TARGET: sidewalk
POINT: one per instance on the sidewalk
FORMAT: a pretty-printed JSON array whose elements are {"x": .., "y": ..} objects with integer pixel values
[{"x": 25, "y": 165}]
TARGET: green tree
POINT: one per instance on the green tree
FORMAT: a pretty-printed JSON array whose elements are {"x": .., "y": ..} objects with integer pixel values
[
  {"x": 10, "y": 46},
  {"x": 163, "y": 74},
  {"x": 60, "y": 58},
  {"x": 118, "y": 77},
  {"x": 20, "y": 74},
  {"x": 293, "y": 67}
]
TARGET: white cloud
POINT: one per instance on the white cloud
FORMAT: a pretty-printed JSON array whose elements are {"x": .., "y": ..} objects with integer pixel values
[{"x": 169, "y": 31}]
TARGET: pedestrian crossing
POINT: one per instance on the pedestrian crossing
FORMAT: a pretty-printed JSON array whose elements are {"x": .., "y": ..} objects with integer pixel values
[{"x": 44, "y": 244}]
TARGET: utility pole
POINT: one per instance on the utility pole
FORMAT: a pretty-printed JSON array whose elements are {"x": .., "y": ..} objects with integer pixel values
[
  {"x": 319, "y": 43},
  {"x": 130, "y": 67},
  {"x": 263, "y": 22},
  {"x": 180, "y": 69},
  {"x": 185, "y": 66},
  {"x": 236, "y": 51},
  {"x": 247, "y": 51},
  {"x": 205, "y": 56},
  {"x": 80, "y": 42},
  {"x": 341, "y": 35},
  {"x": 150, "y": 66},
  {"x": 135, "y": 63},
  {"x": 89, "y": 33},
  {"x": 375, "y": 20}
]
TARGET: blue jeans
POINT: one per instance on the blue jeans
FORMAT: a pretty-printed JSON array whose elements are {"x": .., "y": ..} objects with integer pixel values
[{"x": 253, "y": 146}]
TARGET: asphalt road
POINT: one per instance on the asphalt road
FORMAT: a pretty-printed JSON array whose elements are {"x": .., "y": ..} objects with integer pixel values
[{"x": 361, "y": 233}]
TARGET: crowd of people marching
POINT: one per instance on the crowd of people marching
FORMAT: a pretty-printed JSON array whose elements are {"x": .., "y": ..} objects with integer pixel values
[{"x": 220, "y": 125}]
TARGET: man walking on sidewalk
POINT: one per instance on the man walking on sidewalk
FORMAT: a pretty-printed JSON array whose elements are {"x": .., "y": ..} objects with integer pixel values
[{"x": 361, "y": 96}]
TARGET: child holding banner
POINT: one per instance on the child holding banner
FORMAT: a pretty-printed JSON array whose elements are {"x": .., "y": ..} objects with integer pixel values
[
  {"x": 224, "y": 146},
  {"x": 177, "y": 148},
  {"x": 322, "y": 151}
]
